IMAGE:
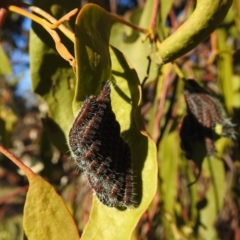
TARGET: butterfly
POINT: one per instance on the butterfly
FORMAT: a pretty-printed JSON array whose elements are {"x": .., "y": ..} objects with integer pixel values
[
  {"x": 205, "y": 115},
  {"x": 101, "y": 153}
]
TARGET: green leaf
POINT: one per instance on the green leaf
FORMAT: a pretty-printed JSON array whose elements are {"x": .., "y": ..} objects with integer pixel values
[
  {"x": 136, "y": 51},
  {"x": 213, "y": 169},
  {"x": 5, "y": 67},
  {"x": 168, "y": 170},
  {"x": 225, "y": 68},
  {"x": 96, "y": 65},
  {"x": 53, "y": 79},
  {"x": 168, "y": 174},
  {"x": 236, "y": 90},
  {"x": 7, "y": 122},
  {"x": 45, "y": 214}
]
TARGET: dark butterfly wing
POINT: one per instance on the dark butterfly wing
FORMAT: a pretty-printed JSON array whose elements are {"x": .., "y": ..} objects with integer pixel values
[
  {"x": 204, "y": 113},
  {"x": 100, "y": 151},
  {"x": 207, "y": 109}
]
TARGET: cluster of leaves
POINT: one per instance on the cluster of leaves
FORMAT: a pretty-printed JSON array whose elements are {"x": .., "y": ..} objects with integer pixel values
[{"x": 177, "y": 210}]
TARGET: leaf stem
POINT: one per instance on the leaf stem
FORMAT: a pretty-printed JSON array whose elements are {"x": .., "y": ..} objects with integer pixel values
[
  {"x": 178, "y": 71},
  {"x": 153, "y": 21},
  {"x": 60, "y": 47},
  {"x": 215, "y": 190},
  {"x": 131, "y": 25},
  {"x": 213, "y": 42},
  {"x": 147, "y": 72},
  {"x": 57, "y": 23},
  {"x": 3, "y": 14},
  {"x": 43, "y": 22},
  {"x": 15, "y": 160},
  {"x": 50, "y": 28}
]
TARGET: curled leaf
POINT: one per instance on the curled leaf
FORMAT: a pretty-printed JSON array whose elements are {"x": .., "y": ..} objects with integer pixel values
[{"x": 96, "y": 65}]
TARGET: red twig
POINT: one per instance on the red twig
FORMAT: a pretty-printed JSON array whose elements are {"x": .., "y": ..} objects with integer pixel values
[
  {"x": 173, "y": 20},
  {"x": 158, "y": 118},
  {"x": 13, "y": 194},
  {"x": 154, "y": 14},
  {"x": 17, "y": 161}
]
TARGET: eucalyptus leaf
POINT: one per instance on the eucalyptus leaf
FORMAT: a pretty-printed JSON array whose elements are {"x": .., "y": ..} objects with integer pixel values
[{"x": 96, "y": 65}]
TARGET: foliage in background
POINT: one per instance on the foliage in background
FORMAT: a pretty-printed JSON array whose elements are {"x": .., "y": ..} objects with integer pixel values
[{"x": 179, "y": 209}]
